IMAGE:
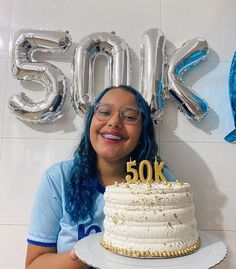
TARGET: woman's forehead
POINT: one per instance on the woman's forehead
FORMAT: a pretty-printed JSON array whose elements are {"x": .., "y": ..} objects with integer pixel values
[{"x": 119, "y": 97}]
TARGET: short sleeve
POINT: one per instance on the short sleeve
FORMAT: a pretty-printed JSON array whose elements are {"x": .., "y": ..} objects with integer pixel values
[{"x": 46, "y": 213}]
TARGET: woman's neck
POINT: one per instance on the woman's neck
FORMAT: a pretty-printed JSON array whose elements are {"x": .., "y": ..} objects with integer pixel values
[{"x": 109, "y": 172}]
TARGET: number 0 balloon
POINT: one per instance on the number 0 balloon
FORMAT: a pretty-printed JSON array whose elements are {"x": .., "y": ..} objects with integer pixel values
[{"x": 117, "y": 52}]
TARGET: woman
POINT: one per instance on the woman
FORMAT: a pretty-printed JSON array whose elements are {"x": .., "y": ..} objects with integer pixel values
[{"x": 69, "y": 201}]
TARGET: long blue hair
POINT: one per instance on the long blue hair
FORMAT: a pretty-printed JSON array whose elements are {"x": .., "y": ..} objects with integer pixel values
[{"x": 82, "y": 183}]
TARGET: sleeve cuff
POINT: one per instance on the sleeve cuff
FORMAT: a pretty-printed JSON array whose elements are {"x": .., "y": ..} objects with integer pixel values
[{"x": 42, "y": 244}]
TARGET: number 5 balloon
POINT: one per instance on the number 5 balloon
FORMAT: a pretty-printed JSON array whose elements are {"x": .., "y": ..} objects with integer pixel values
[{"x": 26, "y": 68}]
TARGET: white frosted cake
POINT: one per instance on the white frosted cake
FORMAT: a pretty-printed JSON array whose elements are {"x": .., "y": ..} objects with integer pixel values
[{"x": 150, "y": 220}]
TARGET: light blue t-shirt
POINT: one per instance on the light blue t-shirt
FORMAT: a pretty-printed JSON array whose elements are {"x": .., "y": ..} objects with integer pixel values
[{"x": 50, "y": 223}]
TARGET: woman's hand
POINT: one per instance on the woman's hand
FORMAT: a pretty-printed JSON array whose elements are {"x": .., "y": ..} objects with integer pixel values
[
  {"x": 45, "y": 257},
  {"x": 73, "y": 255}
]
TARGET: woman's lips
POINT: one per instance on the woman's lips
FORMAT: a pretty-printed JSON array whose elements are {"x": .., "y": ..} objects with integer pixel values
[{"x": 111, "y": 137}]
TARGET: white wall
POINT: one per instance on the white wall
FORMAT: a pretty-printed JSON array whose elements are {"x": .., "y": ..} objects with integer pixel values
[{"x": 196, "y": 152}]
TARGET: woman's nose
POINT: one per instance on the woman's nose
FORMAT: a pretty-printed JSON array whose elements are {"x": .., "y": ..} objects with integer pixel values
[{"x": 115, "y": 120}]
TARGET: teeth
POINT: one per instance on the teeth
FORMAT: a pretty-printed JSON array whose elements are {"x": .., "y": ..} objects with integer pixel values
[{"x": 110, "y": 136}]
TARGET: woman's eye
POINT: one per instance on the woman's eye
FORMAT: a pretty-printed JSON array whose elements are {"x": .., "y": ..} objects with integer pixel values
[
  {"x": 104, "y": 113},
  {"x": 130, "y": 117}
]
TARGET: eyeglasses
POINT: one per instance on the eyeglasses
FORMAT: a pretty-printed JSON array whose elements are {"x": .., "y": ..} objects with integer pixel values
[{"x": 128, "y": 114}]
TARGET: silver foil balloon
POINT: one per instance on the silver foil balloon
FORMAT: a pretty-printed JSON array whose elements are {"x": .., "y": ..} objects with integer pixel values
[
  {"x": 231, "y": 137},
  {"x": 184, "y": 58},
  {"x": 88, "y": 49},
  {"x": 25, "y": 67},
  {"x": 152, "y": 58}
]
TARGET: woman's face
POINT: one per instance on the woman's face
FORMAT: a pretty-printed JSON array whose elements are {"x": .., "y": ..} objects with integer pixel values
[{"x": 112, "y": 138}]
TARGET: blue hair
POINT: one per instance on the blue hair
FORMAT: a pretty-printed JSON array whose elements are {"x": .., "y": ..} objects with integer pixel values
[{"x": 81, "y": 185}]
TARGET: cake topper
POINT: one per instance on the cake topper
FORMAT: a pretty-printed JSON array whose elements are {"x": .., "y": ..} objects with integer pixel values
[{"x": 144, "y": 173}]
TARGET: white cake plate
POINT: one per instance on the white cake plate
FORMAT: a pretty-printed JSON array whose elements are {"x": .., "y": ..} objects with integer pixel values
[{"x": 211, "y": 252}]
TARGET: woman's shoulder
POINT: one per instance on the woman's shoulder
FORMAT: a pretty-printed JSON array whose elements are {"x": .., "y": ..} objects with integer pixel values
[
  {"x": 57, "y": 174},
  {"x": 60, "y": 168}
]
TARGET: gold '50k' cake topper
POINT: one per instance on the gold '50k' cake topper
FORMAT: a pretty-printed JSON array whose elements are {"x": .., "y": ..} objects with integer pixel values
[{"x": 139, "y": 174}]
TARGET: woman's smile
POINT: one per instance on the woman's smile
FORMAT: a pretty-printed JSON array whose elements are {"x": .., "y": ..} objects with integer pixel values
[{"x": 112, "y": 137}]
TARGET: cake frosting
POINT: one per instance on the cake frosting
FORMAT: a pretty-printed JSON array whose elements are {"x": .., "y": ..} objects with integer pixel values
[{"x": 150, "y": 220}]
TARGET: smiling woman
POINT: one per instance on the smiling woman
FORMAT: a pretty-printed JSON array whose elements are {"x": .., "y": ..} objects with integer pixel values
[{"x": 69, "y": 203}]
